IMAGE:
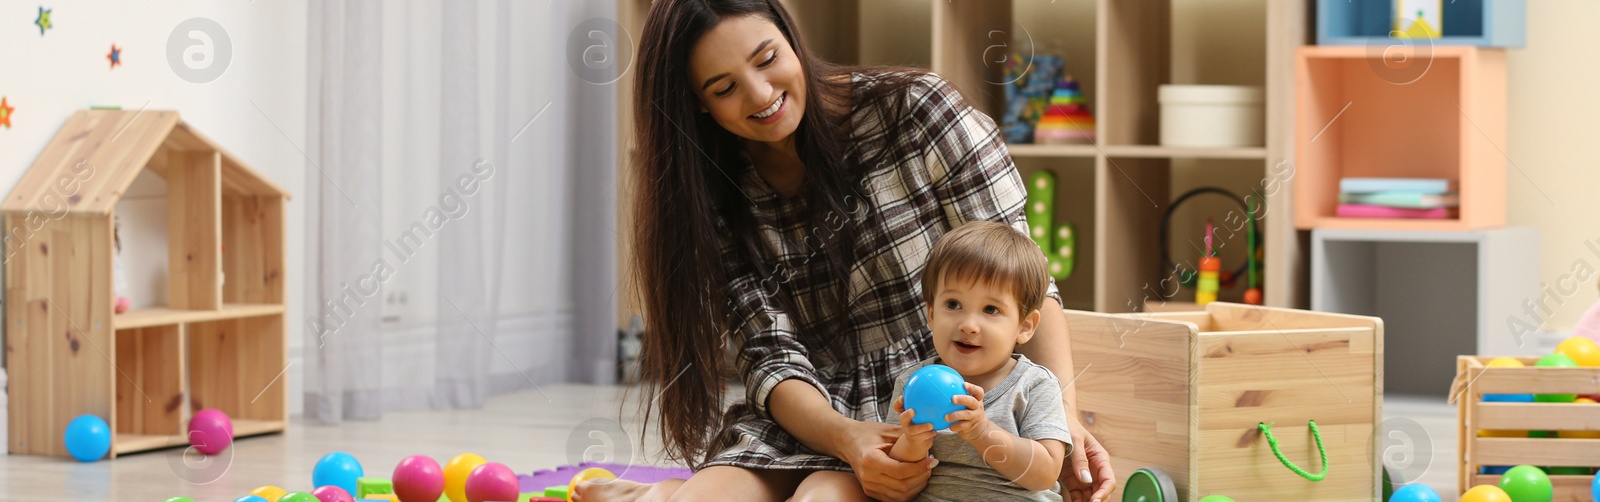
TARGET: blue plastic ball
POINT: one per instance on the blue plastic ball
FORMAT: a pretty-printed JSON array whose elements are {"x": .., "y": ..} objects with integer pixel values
[
  {"x": 929, "y": 392},
  {"x": 337, "y": 469},
  {"x": 1415, "y": 493},
  {"x": 1495, "y": 470},
  {"x": 1594, "y": 487},
  {"x": 250, "y": 498},
  {"x": 1508, "y": 398},
  {"x": 88, "y": 438}
]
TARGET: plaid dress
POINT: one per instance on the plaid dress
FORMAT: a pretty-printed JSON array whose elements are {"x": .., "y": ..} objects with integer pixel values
[{"x": 956, "y": 170}]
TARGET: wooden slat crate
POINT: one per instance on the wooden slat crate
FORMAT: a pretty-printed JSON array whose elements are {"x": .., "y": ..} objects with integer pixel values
[
  {"x": 1474, "y": 379},
  {"x": 1184, "y": 391}
]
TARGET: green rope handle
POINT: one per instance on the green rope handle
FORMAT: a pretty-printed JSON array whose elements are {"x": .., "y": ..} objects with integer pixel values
[{"x": 1273, "y": 442}]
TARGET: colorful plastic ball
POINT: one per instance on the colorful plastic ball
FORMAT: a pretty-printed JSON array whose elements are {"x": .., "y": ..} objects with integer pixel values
[
  {"x": 418, "y": 479},
  {"x": 1216, "y": 498},
  {"x": 1485, "y": 493},
  {"x": 588, "y": 474},
  {"x": 299, "y": 497},
  {"x": 1556, "y": 361},
  {"x": 88, "y": 438},
  {"x": 490, "y": 482},
  {"x": 456, "y": 472},
  {"x": 1495, "y": 470},
  {"x": 1526, "y": 483},
  {"x": 1542, "y": 434},
  {"x": 1568, "y": 471},
  {"x": 333, "y": 493},
  {"x": 1506, "y": 362},
  {"x": 210, "y": 431},
  {"x": 1415, "y": 493},
  {"x": 1582, "y": 351},
  {"x": 179, "y": 499},
  {"x": 1501, "y": 434},
  {"x": 929, "y": 391},
  {"x": 250, "y": 498},
  {"x": 1586, "y": 434},
  {"x": 337, "y": 469},
  {"x": 269, "y": 492},
  {"x": 1594, "y": 488}
]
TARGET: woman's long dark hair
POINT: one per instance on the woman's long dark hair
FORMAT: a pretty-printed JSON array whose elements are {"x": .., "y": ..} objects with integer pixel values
[{"x": 685, "y": 176}]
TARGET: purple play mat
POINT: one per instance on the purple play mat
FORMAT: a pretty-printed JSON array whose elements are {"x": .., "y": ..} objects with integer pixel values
[{"x": 561, "y": 475}]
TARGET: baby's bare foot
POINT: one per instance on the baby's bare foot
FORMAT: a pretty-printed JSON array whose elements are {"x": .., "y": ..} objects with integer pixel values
[{"x": 608, "y": 490}]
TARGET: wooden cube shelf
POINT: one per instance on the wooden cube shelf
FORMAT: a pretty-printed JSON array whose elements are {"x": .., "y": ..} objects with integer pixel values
[
  {"x": 220, "y": 340},
  {"x": 1416, "y": 112}
]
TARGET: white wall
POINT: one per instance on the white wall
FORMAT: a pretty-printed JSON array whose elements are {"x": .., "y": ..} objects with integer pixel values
[
  {"x": 1554, "y": 184},
  {"x": 256, "y": 109}
]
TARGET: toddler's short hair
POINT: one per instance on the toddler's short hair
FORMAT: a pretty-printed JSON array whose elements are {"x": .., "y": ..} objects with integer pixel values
[{"x": 991, "y": 252}]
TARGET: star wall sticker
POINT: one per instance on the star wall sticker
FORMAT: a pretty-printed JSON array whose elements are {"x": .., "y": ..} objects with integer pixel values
[
  {"x": 5, "y": 113},
  {"x": 43, "y": 21},
  {"x": 115, "y": 56}
]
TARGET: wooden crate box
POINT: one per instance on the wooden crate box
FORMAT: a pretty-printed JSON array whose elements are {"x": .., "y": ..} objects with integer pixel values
[
  {"x": 1474, "y": 379},
  {"x": 1185, "y": 392},
  {"x": 219, "y": 340}
]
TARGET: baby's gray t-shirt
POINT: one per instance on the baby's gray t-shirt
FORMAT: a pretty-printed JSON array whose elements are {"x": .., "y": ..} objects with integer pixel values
[{"x": 1028, "y": 404}]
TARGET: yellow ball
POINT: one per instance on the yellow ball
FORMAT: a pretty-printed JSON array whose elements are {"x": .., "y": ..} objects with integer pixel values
[
  {"x": 1580, "y": 434},
  {"x": 1505, "y": 362},
  {"x": 1485, "y": 493},
  {"x": 588, "y": 474},
  {"x": 1501, "y": 434},
  {"x": 455, "y": 475},
  {"x": 269, "y": 492},
  {"x": 1580, "y": 349}
]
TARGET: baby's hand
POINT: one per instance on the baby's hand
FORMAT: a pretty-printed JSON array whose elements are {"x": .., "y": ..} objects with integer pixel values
[
  {"x": 919, "y": 436},
  {"x": 971, "y": 422}
]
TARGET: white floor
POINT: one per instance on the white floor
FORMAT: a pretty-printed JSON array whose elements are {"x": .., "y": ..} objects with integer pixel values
[{"x": 527, "y": 431}]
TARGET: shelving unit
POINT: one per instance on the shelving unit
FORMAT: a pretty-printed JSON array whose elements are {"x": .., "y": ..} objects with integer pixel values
[
  {"x": 1482, "y": 23},
  {"x": 1114, "y": 191},
  {"x": 215, "y": 344}
]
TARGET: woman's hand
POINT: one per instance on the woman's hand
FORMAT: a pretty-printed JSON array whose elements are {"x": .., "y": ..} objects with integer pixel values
[
  {"x": 1087, "y": 457},
  {"x": 884, "y": 478}
]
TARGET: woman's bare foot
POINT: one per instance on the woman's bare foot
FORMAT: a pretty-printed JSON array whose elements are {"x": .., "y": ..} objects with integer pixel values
[{"x": 621, "y": 490}]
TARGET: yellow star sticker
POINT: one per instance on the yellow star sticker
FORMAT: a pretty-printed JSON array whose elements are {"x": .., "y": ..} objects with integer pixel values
[{"x": 44, "y": 20}]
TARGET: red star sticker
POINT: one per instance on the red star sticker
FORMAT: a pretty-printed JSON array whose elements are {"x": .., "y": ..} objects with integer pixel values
[
  {"x": 5, "y": 113},
  {"x": 115, "y": 56}
]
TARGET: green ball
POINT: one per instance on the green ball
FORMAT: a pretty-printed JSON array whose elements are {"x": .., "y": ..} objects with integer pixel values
[
  {"x": 1216, "y": 498},
  {"x": 1526, "y": 483},
  {"x": 306, "y": 497},
  {"x": 1556, "y": 361},
  {"x": 1541, "y": 434},
  {"x": 1569, "y": 471},
  {"x": 180, "y": 499}
]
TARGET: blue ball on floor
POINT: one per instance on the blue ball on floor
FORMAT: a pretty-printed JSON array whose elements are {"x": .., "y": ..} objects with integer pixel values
[
  {"x": 338, "y": 469},
  {"x": 1415, "y": 493},
  {"x": 929, "y": 392},
  {"x": 88, "y": 438}
]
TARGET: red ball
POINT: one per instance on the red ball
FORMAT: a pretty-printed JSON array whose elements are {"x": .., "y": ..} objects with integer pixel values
[
  {"x": 492, "y": 482},
  {"x": 210, "y": 431},
  {"x": 418, "y": 479},
  {"x": 331, "y": 493}
]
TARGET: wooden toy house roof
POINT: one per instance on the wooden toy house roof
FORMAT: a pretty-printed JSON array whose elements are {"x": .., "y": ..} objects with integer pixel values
[{"x": 97, "y": 154}]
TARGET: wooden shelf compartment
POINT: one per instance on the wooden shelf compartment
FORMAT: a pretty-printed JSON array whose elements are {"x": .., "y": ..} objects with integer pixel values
[
  {"x": 1074, "y": 203},
  {"x": 972, "y": 41},
  {"x": 1439, "y": 114}
]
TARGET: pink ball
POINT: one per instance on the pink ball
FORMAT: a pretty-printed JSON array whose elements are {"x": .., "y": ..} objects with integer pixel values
[
  {"x": 492, "y": 482},
  {"x": 331, "y": 493},
  {"x": 418, "y": 479},
  {"x": 122, "y": 305},
  {"x": 210, "y": 431}
]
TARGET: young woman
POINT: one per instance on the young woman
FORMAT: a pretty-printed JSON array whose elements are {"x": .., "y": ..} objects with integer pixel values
[{"x": 786, "y": 207}]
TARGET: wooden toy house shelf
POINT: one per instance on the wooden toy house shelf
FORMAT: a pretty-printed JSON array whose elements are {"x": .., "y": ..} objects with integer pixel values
[{"x": 214, "y": 345}]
